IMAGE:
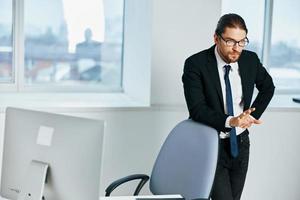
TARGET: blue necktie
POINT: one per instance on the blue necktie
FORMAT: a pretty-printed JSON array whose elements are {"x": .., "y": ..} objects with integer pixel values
[{"x": 233, "y": 141}]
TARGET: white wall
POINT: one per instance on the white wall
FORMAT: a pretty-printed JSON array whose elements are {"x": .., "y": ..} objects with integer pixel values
[
  {"x": 274, "y": 168},
  {"x": 134, "y": 136},
  {"x": 180, "y": 28}
]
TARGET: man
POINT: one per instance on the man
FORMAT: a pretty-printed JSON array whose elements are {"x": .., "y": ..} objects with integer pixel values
[{"x": 218, "y": 87}]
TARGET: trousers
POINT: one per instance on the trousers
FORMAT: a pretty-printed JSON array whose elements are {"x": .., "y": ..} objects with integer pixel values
[{"x": 231, "y": 172}]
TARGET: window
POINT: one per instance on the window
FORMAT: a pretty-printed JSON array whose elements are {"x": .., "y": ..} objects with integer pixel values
[
  {"x": 46, "y": 62},
  {"x": 285, "y": 45},
  {"x": 274, "y": 36},
  {"x": 6, "y": 42},
  {"x": 62, "y": 44}
]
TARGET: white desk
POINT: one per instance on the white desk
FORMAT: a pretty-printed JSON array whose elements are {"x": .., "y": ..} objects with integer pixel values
[
  {"x": 132, "y": 197},
  {"x": 141, "y": 196}
]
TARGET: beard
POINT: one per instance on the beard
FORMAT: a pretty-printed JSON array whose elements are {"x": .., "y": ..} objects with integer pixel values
[
  {"x": 233, "y": 57},
  {"x": 230, "y": 56}
]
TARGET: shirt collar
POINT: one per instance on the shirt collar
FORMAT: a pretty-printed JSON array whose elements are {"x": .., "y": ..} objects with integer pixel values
[{"x": 221, "y": 63}]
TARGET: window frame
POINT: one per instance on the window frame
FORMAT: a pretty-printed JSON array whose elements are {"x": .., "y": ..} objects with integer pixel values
[
  {"x": 18, "y": 83},
  {"x": 135, "y": 71},
  {"x": 266, "y": 46}
]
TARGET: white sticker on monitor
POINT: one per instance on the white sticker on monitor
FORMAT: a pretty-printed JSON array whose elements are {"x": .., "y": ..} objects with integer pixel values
[{"x": 45, "y": 135}]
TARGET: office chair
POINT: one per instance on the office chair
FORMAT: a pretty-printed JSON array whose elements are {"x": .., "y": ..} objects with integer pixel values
[{"x": 185, "y": 165}]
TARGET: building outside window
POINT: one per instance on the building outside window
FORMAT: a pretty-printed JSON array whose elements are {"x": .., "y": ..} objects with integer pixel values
[
  {"x": 6, "y": 70},
  {"x": 62, "y": 44}
]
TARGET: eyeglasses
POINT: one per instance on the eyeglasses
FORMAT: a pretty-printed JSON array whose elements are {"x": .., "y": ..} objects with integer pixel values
[{"x": 230, "y": 43}]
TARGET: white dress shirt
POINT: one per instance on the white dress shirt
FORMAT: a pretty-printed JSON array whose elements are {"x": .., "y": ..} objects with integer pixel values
[{"x": 236, "y": 90}]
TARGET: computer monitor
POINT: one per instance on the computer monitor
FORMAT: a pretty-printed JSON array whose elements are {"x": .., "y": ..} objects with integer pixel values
[{"x": 51, "y": 156}]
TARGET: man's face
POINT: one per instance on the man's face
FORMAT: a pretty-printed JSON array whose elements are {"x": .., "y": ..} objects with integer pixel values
[{"x": 231, "y": 53}]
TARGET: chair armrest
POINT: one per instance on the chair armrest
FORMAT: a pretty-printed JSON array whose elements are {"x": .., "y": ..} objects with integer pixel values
[{"x": 144, "y": 178}]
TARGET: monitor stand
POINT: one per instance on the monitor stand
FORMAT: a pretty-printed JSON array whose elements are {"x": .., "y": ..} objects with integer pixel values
[{"x": 33, "y": 186}]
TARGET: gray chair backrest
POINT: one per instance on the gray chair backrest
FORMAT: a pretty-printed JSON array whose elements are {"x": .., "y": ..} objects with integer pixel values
[{"x": 187, "y": 161}]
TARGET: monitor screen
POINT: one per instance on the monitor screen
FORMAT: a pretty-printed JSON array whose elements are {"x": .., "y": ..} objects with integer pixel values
[{"x": 56, "y": 157}]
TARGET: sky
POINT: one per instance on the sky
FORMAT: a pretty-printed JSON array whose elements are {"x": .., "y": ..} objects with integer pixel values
[
  {"x": 82, "y": 14},
  {"x": 77, "y": 14}
]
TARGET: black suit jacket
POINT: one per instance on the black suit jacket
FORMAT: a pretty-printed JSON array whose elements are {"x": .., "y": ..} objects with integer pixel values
[{"x": 203, "y": 93}]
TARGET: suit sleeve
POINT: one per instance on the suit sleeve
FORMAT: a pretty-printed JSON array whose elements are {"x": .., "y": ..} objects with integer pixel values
[
  {"x": 265, "y": 87},
  {"x": 197, "y": 101}
]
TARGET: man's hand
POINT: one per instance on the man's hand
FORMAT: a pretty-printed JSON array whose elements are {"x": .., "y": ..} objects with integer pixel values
[{"x": 244, "y": 120}]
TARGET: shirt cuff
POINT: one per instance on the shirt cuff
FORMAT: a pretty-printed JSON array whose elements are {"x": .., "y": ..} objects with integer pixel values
[{"x": 227, "y": 122}]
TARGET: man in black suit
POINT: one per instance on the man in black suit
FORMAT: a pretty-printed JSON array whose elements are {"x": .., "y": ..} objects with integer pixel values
[{"x": 218, "y": 87}]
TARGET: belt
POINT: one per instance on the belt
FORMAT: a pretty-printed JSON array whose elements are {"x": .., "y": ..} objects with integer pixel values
[{"x": 240, "y": 138}]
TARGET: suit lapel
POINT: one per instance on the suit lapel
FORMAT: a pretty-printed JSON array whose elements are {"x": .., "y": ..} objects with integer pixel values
[
  {"x": 243, "y": 67},
  {"x": 212, "y": 68}
]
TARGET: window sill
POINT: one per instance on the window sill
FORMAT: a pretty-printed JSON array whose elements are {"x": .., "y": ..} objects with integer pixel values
[
  {"x": 284, "y": 102},
  {"x": 71, "y": 102},
  {"x": 95, "y": 102}
]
